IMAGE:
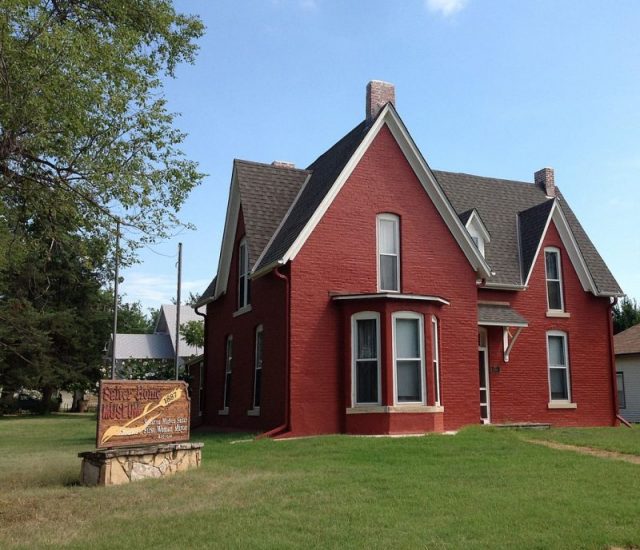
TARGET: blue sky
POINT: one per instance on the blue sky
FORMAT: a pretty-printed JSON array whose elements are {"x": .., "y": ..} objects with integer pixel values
[{"x": 486, "y": 87}]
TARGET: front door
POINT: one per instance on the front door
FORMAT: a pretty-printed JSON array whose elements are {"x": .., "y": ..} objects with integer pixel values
[{"x": 483, "y": 361}]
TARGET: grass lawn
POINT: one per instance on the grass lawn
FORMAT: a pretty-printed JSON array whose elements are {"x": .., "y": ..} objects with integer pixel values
[
  {"x": 622, "y": 440},
  {"x": 482, "y": 488}
]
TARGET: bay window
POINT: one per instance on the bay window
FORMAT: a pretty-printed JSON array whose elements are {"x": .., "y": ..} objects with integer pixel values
[
  {"x": 365, "y": 330},
  {"x": 408, "y": 357}
]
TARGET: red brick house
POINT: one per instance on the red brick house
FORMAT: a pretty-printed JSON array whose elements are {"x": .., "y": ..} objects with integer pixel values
[{"x": 371, "y": 294}]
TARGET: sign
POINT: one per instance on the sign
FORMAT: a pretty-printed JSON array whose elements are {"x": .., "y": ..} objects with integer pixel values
[{"x": 142, "y": 412}]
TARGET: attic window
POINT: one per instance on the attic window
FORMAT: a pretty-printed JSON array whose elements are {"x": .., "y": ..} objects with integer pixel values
[{"x": 477, "y": 231}]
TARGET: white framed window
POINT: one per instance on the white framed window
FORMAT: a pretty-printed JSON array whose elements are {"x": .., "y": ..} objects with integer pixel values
[
  {"x": 408, "y": 358},
  {"x": 435, "y": 358},
  {"x": 244, "y": 284},
  {"x": 201, "y": 389},
  {"x": 227, "y": 372},
  {"x": 553, "y": 271},
  {"x": 365, "y": 346},
  {"x": 622, "y": 398},
  {"x": 388, "y": 244},
  {"x": 558, "y": 362},
  {"x": 257, "y": 377}
]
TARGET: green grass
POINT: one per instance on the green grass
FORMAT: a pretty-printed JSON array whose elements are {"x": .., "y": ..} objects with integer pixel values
[
  {"x": 622, "y": 439},
  {"x": 482, "y": 488}
]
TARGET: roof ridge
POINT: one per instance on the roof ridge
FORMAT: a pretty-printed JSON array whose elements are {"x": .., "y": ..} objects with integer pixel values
[
  {"x": 519, "y": 182},
  {"x": 269, "y": 165}
]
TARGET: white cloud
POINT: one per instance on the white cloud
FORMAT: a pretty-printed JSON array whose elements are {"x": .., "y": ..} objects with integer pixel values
[
  {"x": 155, "y": 290},
  {"x": 445, "y": 8}
]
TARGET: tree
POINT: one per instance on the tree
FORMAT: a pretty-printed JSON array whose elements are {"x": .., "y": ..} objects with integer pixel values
[
  {"x": 132, "y": 320},
  {"x": 193, "y": 333},
  {"x": 626, "y": 313},
  {"x": 85, "y": 140}
]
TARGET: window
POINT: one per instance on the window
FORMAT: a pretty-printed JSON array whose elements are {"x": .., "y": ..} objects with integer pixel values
[
  {"x": 244, "y": 284},
  {"x": 228, "y": 369},
  {"x": 257, "y": 379},
  {"x": 365, "y": 330},
  {"x": 388, "y": 252},
  {"x": 435, "y": 357},
  {"x": 559, "y": 385},
  {"x": 201, "y": 390},
  {"x": 622, "y": 401},
  {"x": 408, "y": 357},
  {"x": 554, "y": 279}
]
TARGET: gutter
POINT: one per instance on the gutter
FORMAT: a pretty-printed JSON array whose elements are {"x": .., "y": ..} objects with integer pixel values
[{"x": 286, "y": 426}]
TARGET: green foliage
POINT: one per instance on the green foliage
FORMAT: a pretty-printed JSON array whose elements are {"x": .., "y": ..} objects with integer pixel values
[
  {"x": 85, "y": 138},
  {"x": 193, "y": 333},
  {"x": 626, "y": 313},
  {"x": 132, "y": 320}
]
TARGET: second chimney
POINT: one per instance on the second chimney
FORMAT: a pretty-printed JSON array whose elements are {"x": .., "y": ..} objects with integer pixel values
[
  {"x": 546, "y": 180},
  {"x": 379, "y": 93}
]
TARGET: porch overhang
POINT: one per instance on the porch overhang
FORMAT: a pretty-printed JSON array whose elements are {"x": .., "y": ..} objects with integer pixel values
[
  {"x": 389, "y": 296},
  {"x": 502, "y": 315}
]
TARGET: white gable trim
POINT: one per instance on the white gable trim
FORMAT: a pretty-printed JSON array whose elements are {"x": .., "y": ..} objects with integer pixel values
[
  {"x": 389, "y": 117},
  {"x": 228, "y": 237},
  {"x": 570, "y": 245},
  {"x": 476, "y": 221}
]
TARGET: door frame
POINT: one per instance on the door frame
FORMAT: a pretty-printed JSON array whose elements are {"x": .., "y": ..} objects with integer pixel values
[{"x": 483, "y": 338}]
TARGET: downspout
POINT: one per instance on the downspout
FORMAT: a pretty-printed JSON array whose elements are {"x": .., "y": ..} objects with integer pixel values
[
  {"x": 612, "y": 358},
  {"x": 286, "y": 426}
]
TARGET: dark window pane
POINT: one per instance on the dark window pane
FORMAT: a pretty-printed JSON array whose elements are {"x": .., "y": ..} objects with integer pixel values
[
  {"x": 367, "y": 381},
  {"x": 256, "y": 399},
  {"x": 551, "y": 260},
  {"x": 367, "y": 345},
  {"x": 241, "y": 301},
  {"x": 556, "y": 351},
  {"x": 227, "y": 390},
  {"x": 559, "y": 387},
  {"x": 553, "y": 292},
  {"x": 388, "y": 273},
  {"x": 622, "y": 403},
  {"x": 408, "y": 379}
]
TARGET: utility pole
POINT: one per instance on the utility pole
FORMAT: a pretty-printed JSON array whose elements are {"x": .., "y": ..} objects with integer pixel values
[
  {"x": 178, "y": 309},
  {"x": 115, "y": 302}
]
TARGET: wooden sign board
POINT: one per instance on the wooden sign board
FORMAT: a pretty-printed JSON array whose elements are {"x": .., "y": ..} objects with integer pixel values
[{"x": 142, "y": 412}]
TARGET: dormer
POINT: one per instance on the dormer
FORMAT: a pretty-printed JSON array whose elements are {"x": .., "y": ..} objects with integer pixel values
[{"x": 476, "y": 228}]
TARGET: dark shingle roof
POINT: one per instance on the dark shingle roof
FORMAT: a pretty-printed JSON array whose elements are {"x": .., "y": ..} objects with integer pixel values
[
  {"x": 503, "y": 205},
  {"x": 531, "y": 224},
  {"x": 325, "y": 170},
  {"x": 207, "y": 294},
  {"x": 266, "y": 192},
  {"x": 627, "y": 341},
  {"x": 496, "y": 314}
]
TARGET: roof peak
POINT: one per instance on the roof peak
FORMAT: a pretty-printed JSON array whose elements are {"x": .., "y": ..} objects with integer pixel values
[{"x": 269, "y": 165}]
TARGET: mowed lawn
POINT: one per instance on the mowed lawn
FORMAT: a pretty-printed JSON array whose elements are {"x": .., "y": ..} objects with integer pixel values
[
  {"x": 622, "y": 440},
  {"x": 482, "y": 488}
]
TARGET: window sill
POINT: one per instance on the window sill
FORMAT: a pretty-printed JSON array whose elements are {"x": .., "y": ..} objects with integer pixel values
[
  {"x": 223, "y": 412},
  {"x": 558, "y": 313},
  {"x": 373, "y": 409},
  {"x": 242, "y": 310},
  {"x": 254, "y": 412},
  {"x": 561, "y": 405}
]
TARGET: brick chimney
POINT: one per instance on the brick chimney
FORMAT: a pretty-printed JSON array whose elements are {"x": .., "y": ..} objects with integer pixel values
[
  {"x": 546, "y": 180},
  {"x": 379, "y": 93}
]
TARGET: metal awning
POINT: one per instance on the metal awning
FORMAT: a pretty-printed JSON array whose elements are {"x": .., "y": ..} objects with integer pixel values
[{"x": 501, "y": 315}]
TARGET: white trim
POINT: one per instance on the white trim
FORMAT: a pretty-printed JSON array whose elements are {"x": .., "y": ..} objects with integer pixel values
[
  {"x": 376, "y": 409},
  {"x": 389, "y": 117},
  {"x": 499, "y": 324},
  {"x": 487, "y": 388},
  {"x": 259, "y": 330},
  {"x": 243, "y": 257},
  {"x": 435, "y": 357},
  {"x": 505, "y": 286},
  {"x": 555, "y": 251},
  {"x": 561, "y": 405},
  {"x": 558, "y": 313},
  {"x": 228, "y": 236},
  {"x": 254, "y": 412},
  {"x": 390, "y": 295},
  {"x": 223, "y": 412},
  {"x": 395, "y": 219},
  {"x": 242, "y": 311},
  {"x": 477, "y": 230},
  {"x": 567, "y": 367},
  {"x": 362, "y": 316},
  {"x": 228, "y": 368},
  {"x": 423, "y": 378}
]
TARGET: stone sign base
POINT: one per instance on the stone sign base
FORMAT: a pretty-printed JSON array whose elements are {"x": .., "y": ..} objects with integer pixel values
[{"x": 124, "y": 465}]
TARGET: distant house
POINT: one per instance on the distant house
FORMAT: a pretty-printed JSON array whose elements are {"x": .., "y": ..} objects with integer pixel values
[
  {"x": 162, "y": 343},
  {"x": 627, "y": 347},
  {"x": 370, "y": 294}
]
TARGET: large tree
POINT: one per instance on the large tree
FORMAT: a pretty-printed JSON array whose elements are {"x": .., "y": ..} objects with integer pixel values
[
  {"x": 626, "y": 313},
  {"x": 85, "y": 139}
]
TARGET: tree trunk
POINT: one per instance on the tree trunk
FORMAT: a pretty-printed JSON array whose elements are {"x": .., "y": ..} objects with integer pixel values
[{"x": 47, "y": 394}]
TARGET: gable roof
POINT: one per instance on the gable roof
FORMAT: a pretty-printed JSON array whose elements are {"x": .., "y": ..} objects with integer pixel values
[
  {"x": 143, "y": 346},
  {"x": 627, "y": 341},
  {"x": 517, "y": 214},
  {"x": 166, "y": 324},
  {"x": 330, "y": 172}
]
